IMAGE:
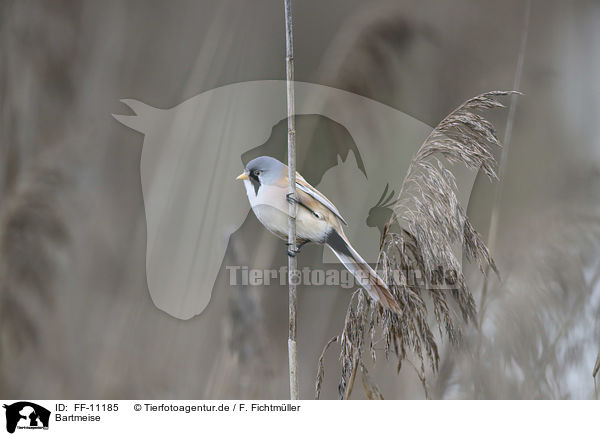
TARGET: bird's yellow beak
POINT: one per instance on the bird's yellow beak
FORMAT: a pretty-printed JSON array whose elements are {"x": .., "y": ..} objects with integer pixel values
[{"x": 242, "y": 176}]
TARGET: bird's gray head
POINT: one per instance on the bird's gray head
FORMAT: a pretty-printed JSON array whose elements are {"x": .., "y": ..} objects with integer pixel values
[{"x": 263, "y": 170}]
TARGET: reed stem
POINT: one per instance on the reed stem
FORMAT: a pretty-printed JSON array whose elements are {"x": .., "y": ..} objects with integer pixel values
[{"x": 292, "y": 263}]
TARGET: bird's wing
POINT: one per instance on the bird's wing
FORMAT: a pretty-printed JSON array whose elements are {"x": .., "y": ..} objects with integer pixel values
[{"x": 306, "y": 187}]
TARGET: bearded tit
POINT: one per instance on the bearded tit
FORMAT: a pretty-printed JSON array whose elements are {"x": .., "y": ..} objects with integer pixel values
[{"x": 317, "y": 220}]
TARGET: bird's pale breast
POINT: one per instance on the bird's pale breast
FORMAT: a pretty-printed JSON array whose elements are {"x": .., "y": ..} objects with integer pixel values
[{"x": 271, "y": 208}]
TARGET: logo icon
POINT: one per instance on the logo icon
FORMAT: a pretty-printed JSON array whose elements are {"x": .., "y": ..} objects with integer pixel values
[
  {"x": 26, "y": 415},
  {"x": 350, "y": 147}
]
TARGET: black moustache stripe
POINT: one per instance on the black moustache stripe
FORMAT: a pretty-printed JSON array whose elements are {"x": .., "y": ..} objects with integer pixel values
[{"x": 255, "y": 183}]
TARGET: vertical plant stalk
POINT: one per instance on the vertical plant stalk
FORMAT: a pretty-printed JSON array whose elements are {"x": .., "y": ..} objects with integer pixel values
[
  {"x": 594, "y": 375},
  {"x": 493, "y": 232},
  {"x": 355, "y": 363},
  {"x": 292, "y": 263}
]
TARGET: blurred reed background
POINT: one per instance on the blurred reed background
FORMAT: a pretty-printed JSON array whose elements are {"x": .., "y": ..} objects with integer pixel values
[{"x": 76, "y": 319}]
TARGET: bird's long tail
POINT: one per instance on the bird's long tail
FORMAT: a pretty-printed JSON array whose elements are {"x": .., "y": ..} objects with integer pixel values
[{"x": 361, "y": 270}]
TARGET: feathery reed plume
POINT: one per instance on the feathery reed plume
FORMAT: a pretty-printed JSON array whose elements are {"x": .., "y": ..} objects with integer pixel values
[
  {"x": 321, "y": 367},
  {"x": 32, "y": 235},
  {"x": 417, "y": 256},
  {"x": 542, "y": 320}
]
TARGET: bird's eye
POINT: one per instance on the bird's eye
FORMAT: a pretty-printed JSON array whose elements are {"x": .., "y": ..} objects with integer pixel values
[{"x": 257, "y": 172}]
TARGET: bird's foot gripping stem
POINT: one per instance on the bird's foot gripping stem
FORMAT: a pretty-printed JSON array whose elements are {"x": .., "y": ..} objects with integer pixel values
[
  {"x": 293, "y": 253},
  {"x": 291, "y": 199}
]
